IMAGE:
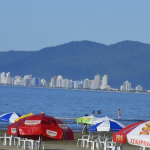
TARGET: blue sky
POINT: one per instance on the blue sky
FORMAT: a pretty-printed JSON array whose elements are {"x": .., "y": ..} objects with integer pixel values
[{"x": 35, "y": 24}]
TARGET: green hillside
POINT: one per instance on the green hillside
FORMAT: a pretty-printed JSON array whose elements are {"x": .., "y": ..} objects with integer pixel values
[{"x": 127, "y": 60}]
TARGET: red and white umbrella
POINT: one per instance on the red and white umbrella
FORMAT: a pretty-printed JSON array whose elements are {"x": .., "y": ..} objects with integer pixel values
[
  {"x": 43, "y": 126},
  {"x": 137, "y": 134}
]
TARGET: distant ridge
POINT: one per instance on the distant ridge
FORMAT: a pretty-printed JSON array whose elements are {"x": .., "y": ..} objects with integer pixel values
[{"x": 78, "y": 60}]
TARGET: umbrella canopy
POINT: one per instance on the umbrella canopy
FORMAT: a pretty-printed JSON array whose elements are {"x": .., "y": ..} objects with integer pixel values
[
  {"x": 85, "y": 119},
  {"x": 46, "y": 127},
  {"x": 30, "y": 114},
  {"x": 98, "y": 120},
  {"x": 9, "y": 117},
  {"x": 136, "y": 134},
  {"x": 109, "y": 125}
]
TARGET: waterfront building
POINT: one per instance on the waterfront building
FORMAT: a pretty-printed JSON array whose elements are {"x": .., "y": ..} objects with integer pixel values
[
  {"x": 36, "y": 81},
  {"x": 87, "y": 84},
  {"x": 75, "y": 84},
  {"x": 59, "y": 81},
  {"x": 43, "y": 82},
  {"x": 104, "y": 82},
  {"x": 121, "y": 88},
  {"x": 126, "y": 86},
  {"x": 3, "y": 78},
  {"x": 79, "y": 85},
  {"x": 17, "y": 80},
  {"x": 139, "y": 88},
  {"x": 96, "y": 85},
  {"x": 8, "y": 75},
  {"x": 65, "y": 83}
]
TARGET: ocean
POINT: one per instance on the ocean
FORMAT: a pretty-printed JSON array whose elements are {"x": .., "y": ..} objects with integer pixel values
[{"x": 67, "y": 105}]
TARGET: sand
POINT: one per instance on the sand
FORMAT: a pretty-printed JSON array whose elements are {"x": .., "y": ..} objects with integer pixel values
[{"x": 63, "y": 145}]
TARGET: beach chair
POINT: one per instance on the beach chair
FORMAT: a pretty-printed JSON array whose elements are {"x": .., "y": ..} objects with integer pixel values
[
  {"x": 21, "y": 142},
  {"x": 109, "y": 144},
  {"x": 30, "y": 143},
  {"x": 7, "y": 137},
  {"x": 18, "y": 139},
  {"x": 93, "y": 142},
  {"x": 144, "y": 148},
  {"x": 85, "y": 138},
  {"x": 37, "y": 144}
]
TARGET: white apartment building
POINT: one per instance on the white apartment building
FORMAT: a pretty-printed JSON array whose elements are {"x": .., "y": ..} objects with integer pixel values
[
  {"x": 8, "y": 75},
  {"x": 65, "y": 83},
  {"x": 104, "y": 82},
  {"x": 126, "y": 86},
  {"x": 59, "y": 81},
  {"x": 139, "y": 88},
  {"x": 96, "y": 82},
  {"x": 87, "y": 84}
]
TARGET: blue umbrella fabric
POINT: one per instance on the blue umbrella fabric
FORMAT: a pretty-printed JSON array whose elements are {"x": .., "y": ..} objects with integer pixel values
[
  {"x": 9, "y": 117},
  {"x": 109, "y": 125}
]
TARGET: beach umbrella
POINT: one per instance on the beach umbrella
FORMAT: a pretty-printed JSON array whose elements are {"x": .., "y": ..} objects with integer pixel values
[
  {"x": 85, "y": 119},
  {"x": 137, "y": 134},
  {"x": 108, "y": 125},
  {"x": 30, "y": 114},
  {"x": 41, "y": 127},
  {"x": 9, "y": 117}
]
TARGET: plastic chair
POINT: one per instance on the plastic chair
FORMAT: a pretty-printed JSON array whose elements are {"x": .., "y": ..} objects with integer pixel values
[
  {"x": 17, "y": 138},
  {"x": 30, "y": 143},
  {"x": 82, "y": 142},
  {"x": 101, "y": 140},
  {"x": 144, "y": 148},
  {"x": 93, "y": 142},
  {"x": 21, "y": 142},
  {"x": 111, "y": 145},
  {"x": 9, "y": 138},
  {"x": 37, "y": 144}
]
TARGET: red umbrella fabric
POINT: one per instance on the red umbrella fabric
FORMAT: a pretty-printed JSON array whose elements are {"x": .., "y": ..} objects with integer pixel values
[
  {"x": 136, "y": 134},
  {"x": 48, "y": 128}
]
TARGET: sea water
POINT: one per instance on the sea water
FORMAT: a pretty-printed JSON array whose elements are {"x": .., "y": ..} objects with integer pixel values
[{"x": 67, "y": 105}]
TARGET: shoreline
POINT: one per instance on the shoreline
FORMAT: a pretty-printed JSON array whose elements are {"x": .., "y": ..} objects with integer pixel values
[
  {"x": 76, "y": 89},
  {"x": 64, "y": 144}
]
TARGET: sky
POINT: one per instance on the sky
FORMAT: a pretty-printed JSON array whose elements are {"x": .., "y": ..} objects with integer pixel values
[{"x": 35, "y": 24}]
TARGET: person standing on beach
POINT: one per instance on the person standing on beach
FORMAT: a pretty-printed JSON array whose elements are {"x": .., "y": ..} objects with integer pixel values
[
  {"x": 119, "y": 114},
  {"x": 85, "y": 126}
]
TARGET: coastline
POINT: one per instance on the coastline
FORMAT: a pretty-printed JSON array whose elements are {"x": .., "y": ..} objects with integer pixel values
[
  {"x": 64, "y": 144},
  {"x": 76, "y": 89}
]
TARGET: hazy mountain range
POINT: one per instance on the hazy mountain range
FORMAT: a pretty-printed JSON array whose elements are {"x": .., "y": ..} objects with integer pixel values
[{"x": 126, "y": 60}]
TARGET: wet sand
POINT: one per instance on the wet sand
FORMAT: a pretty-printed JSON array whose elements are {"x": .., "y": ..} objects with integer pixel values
[{"x": 63, "y": 145}]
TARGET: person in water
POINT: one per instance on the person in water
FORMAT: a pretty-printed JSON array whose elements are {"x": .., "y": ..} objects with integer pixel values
[
  {"x": 85, "y": 126},
  {"x": 99, "y": 112},
  {"x": 93, "y": 111},
  {"x": 119, "y": 114}
]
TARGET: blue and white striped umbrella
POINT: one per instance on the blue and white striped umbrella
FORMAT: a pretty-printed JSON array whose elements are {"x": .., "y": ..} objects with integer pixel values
[
  {"x": 9, "y": 117},
  {"x": 108, "y": 125}
]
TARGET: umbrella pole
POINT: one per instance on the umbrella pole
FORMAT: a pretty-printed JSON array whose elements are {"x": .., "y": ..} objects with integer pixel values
[{"x": 40, "y": 139}]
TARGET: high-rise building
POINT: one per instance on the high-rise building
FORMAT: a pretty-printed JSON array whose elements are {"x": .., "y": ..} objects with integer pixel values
[
  {"x": 87, "y": 84},
  {"x": 96, "y": 82},
  {"x": 59, "y": 81},
  {"x": 126, "y": 86},
  {"x": 8, "y": 75},
  {"x": 104, "y": 81},
  {"x": 139, "y": 88}
]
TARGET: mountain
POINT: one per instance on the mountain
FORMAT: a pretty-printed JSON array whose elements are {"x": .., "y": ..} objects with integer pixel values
[{"x": 126, "y": 60}]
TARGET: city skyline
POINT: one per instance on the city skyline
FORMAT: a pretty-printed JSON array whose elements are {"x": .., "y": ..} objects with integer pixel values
[{"x": 97, "y": 83}]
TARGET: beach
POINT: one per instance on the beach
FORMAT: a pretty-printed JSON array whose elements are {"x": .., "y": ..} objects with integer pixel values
[{"x": 63, "y": 144}]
